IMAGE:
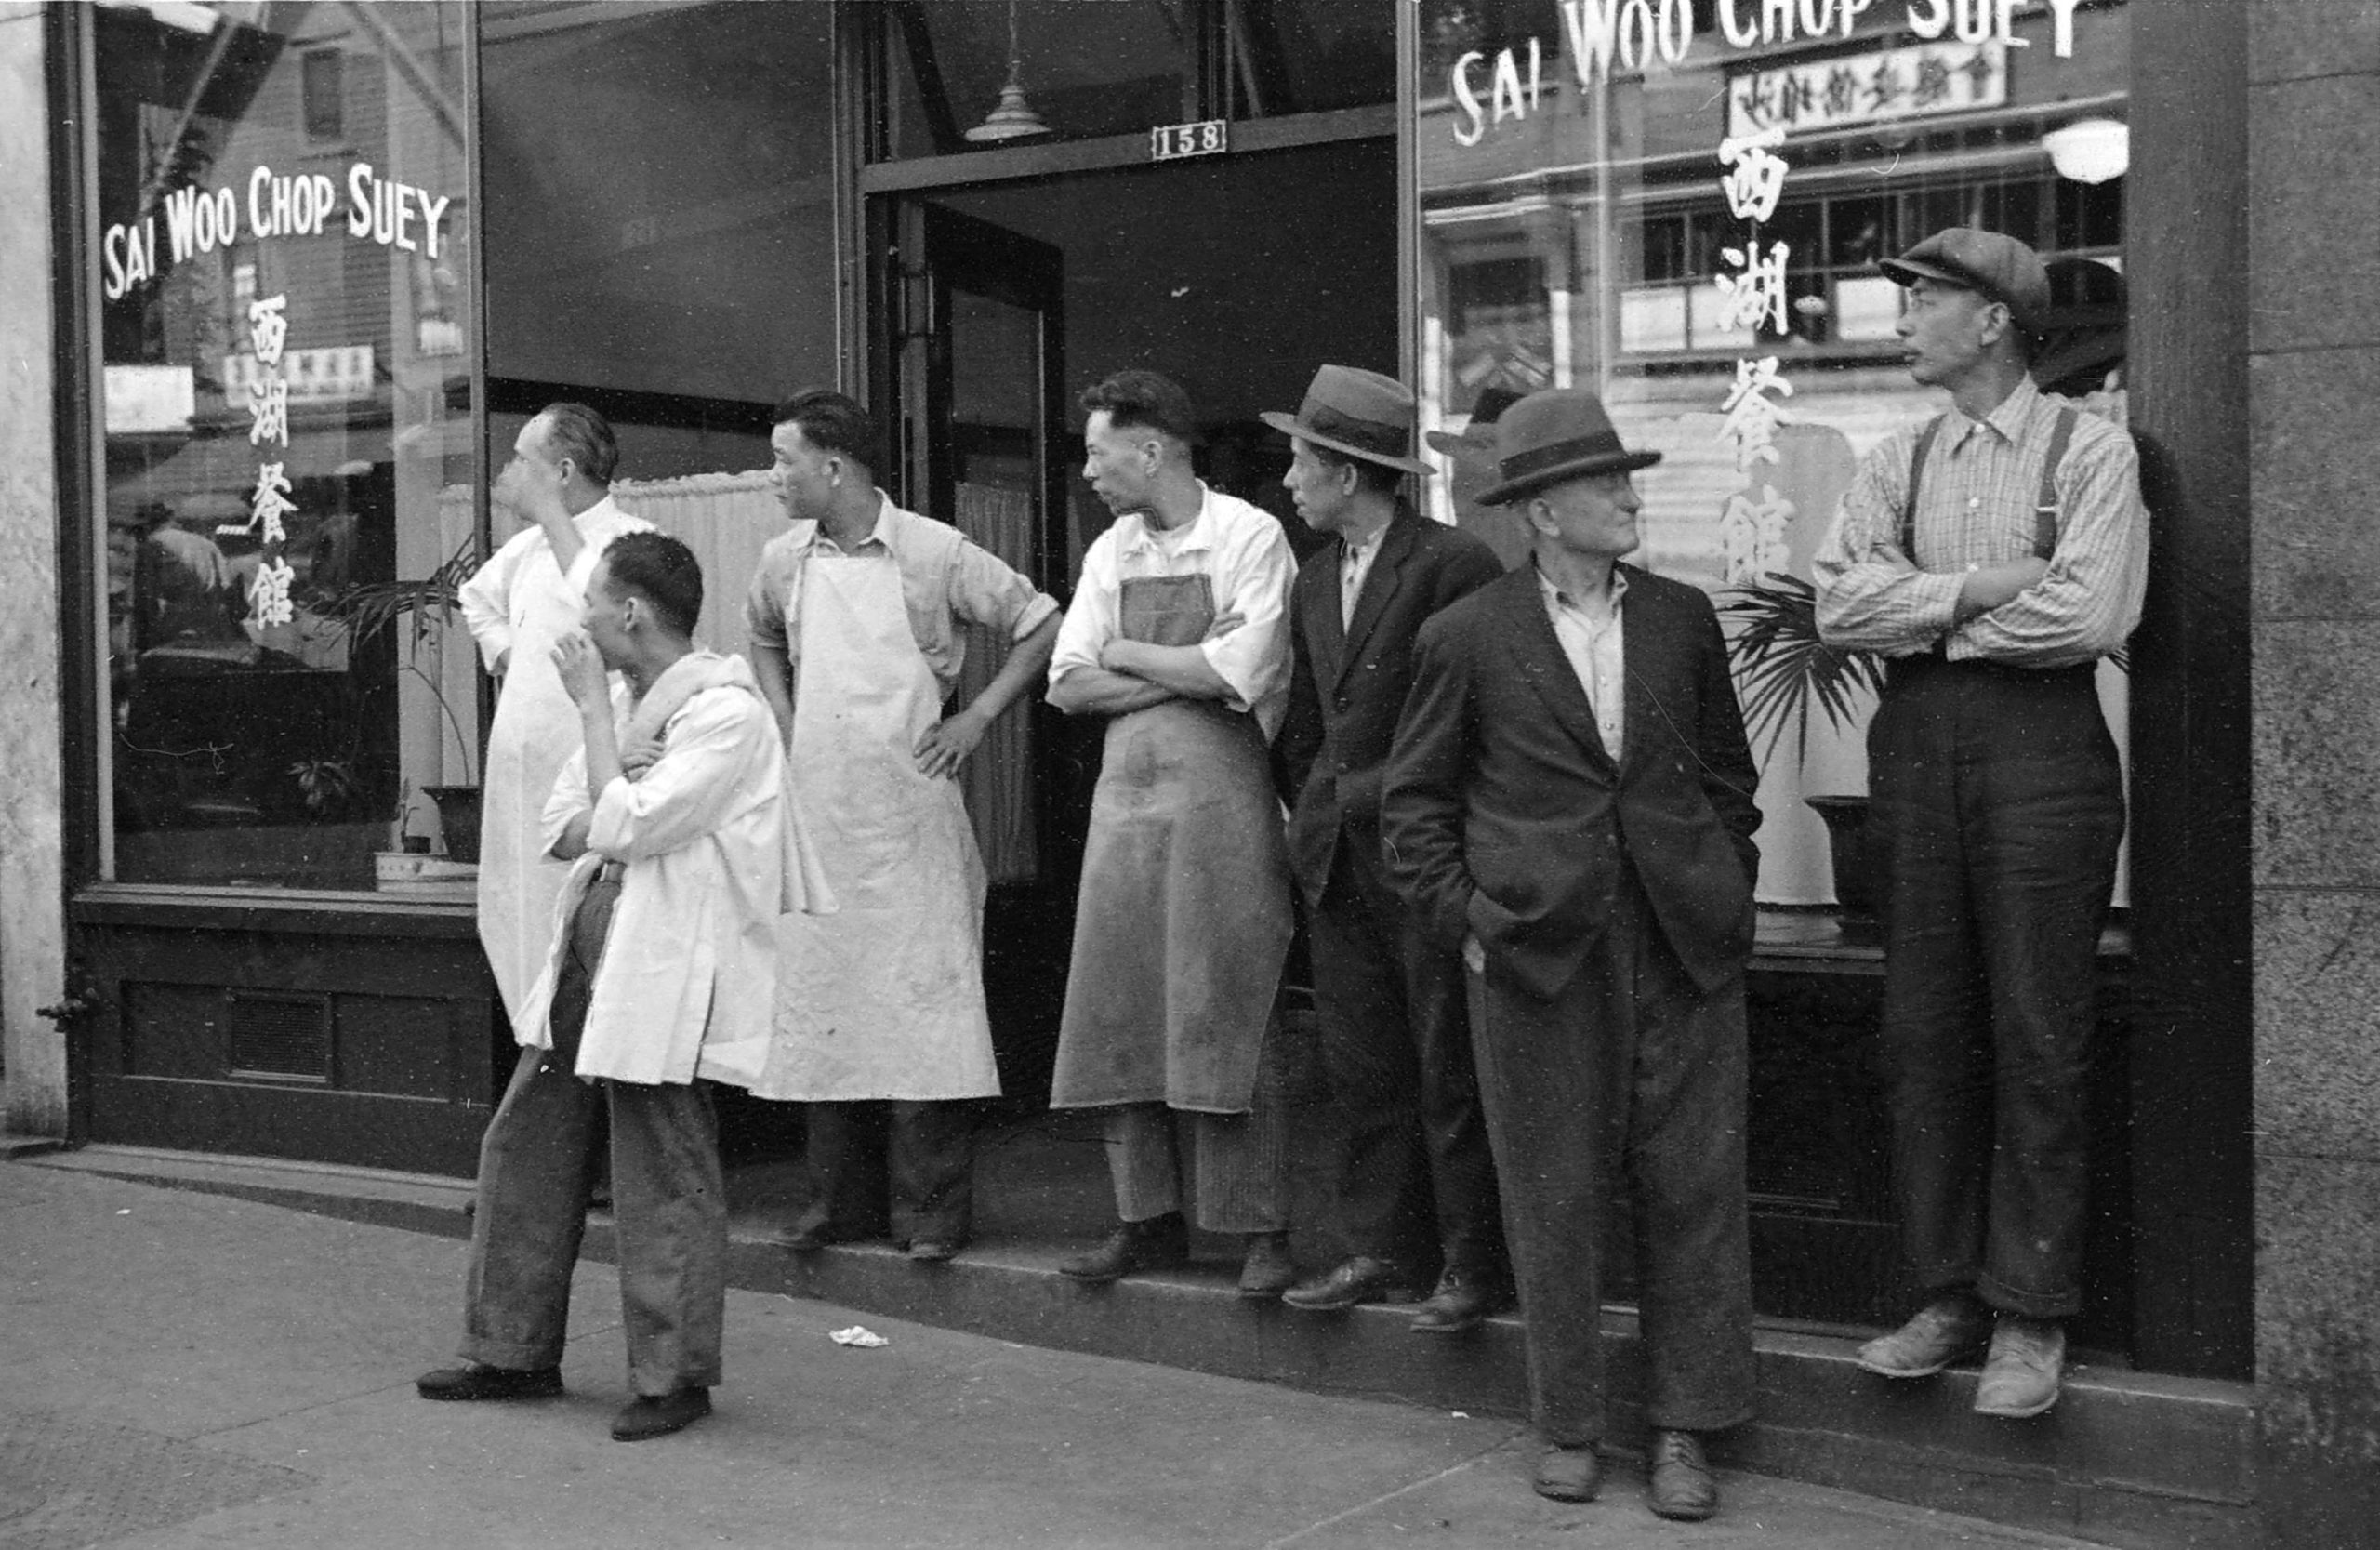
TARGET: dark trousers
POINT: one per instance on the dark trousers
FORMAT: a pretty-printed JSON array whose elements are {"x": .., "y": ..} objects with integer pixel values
[
  {"x": 920, "y": 1154},
  {"x": 1631, "y": 1079},
  {"x": 543, "y": 1151},
  {"x": 1416, "y": 1183},
  {"x": 1996, "y": 808}
]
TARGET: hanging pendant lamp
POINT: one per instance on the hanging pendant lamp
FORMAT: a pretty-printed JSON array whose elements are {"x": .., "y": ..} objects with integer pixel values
[{"x": 1014, "y": 118}]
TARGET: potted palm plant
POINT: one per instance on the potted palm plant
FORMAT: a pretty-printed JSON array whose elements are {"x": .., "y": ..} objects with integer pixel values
[
  {"x": 427, "y": 605},
  {"x": 1783, "y": 673}
]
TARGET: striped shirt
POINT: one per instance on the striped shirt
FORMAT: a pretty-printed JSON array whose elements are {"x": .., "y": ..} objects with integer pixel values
[{"x": 1976, "y": 508}]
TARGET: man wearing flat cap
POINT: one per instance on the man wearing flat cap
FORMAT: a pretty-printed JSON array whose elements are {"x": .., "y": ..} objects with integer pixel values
[
  {"x": 1569, "y": 803},
  {"x": 1416, "y": 1191},
  {"x": 1994, "y": 554}
]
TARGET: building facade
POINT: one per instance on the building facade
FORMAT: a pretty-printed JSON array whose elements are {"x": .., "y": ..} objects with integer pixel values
[{"x": 308, "y": 268}]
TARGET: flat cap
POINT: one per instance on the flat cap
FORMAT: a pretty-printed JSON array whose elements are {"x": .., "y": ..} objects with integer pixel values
[{"x": 2000, "y": 267}]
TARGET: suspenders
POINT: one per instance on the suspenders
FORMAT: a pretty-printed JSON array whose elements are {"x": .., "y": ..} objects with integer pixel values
[{"x": 2044, "y": 502}]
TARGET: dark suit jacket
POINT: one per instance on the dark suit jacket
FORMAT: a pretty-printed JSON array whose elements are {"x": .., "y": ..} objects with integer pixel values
[
  {"x": 1504, "y": 817},
  {"x": 1348, "y": 683}
]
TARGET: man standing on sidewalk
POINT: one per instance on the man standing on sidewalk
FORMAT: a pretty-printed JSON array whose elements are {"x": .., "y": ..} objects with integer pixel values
[
  {"x": 527, "y": 596},
  {"x": 662, "y": 972},
  {"x": 857, "y": 619},
  {"x": 1994, "y": 554},
  {"x": 1176, "y": 634},
  {"x": 1569, "y": 805},
  {"x": 1415, "y": 1184}
]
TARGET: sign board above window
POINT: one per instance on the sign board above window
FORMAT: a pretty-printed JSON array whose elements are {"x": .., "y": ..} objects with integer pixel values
[{"x": 1869, "y": 88}]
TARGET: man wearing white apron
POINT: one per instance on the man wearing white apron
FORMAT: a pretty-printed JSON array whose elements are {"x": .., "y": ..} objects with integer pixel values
[
  {"x": 856, "y": 617},
  {"x": 526, "y": 598},
  {"x": 1178, "y": 633}
]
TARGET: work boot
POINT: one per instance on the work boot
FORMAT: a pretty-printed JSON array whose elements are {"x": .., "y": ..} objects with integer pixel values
[
  {"x": 1569, "y": 1474},
  {"x": 653, "y": 1415},
  {"x": 1268, "y": 1270},
  {"x": 1157, "y": 1243},
  {"x": 1940, "y": 1332},
  {"x": 1678, "y": 1484},
  {"x": 2021, "y": 1376},
  {"x": 478, "y": 1380},
  {"x": 1462, "y": 1301},
  {"x": 1360, "y": 1279}
]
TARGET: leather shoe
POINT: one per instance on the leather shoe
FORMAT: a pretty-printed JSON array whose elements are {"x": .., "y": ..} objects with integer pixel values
[
  {"x": 2021, "y": 1376},
  {"x": 1569, "y": 1474},
  {"x": 1360, "y": 1279},
  {"x": 1677, "y": 1479},
  {"x": 1461, "y": 1302},
  {"x": 1940, "y": 1332},
  {"x": 652, "y": 1415},
  {"x": 1159, "y": 1243},
  {"x": 479, "y": 1382},
  {"x": 1268, "y": 1270}
]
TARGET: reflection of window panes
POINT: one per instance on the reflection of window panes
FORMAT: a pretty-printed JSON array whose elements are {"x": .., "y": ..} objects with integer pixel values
[{"x": 292, "y": 451}]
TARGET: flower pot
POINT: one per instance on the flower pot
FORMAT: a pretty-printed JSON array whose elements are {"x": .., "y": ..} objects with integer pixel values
[
  {"x": 458, "y": 819},
  {"x": 1854, "y": 878}
]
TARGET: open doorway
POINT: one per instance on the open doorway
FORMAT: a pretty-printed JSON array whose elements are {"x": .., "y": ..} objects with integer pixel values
[{"x": 1000, "y": 304}]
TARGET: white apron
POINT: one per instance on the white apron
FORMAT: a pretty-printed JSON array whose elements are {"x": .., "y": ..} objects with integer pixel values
[
  {"x": 883, "y": 999},
  {"x": 534, "y": 731}
]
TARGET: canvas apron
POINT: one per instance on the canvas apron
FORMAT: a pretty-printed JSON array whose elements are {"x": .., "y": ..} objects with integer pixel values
[
  {"x": 1184, "y": 916},
  {"x": 884, "y": 998}
]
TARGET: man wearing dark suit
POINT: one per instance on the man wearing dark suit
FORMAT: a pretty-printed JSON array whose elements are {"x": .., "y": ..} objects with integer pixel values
[
  {"x": 1570, "y": 802},
  {"x": 1415, "y": 1187}
]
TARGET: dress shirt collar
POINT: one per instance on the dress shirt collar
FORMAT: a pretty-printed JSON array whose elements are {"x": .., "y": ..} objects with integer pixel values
[
  {"x": 2007, "y": 418},
  {"x": 1354, "y": 553},
  {"x": 1556, "y": 598},
  {"x": 810, "y": 534},
  {"x": 1197, "y": 534}
]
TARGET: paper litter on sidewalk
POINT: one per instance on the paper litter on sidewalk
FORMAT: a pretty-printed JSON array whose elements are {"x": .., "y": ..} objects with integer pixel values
[{"x": 860, "y": 1335}]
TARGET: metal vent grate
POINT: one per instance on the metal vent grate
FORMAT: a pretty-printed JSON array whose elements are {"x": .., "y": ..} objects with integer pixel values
[{"x": 280, "y": 1038}]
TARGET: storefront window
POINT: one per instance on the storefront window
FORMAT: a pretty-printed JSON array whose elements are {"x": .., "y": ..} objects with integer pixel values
[
  {"x": 1681, "y": 205},
  {"x": 290, "y": 449}
]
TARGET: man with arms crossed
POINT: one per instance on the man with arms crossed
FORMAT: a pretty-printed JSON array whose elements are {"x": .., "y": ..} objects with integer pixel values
[
  {"x": 1176, "y": 634},
  {"x": 856, "y": 618},
  {"x": 526, "y": 596},
  {"x": 661, "y": 972},
  {"x": 1415, "y": 1184},
  {"x": 1994, "y": 555},
  {"x": 1569, "y": 803}
]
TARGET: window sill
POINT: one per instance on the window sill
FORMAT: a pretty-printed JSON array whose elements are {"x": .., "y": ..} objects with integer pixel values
[{"x": 287, "y": 910}]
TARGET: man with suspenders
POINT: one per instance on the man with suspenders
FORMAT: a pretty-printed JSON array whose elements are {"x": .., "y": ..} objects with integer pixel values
[{"x": 1994, "y": 555}]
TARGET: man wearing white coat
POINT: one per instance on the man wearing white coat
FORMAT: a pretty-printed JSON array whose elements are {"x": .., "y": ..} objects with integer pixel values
[
  {"x": 526, "y": 596},
  {"x": 661, "y": 968}
]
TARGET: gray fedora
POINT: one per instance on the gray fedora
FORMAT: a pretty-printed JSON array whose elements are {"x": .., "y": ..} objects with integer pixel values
[
  {"x": 1477, "y": 439},
  {"x": 1361, "y": 413},
  {"x": 1555, "y": 435}
]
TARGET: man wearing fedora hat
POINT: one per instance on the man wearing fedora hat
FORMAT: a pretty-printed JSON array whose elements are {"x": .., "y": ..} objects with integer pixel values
[
  {"x": 1569, "y": 803},
  {"x": 1415, "y": 1186},
  {"x": 1993, "y": 555}
]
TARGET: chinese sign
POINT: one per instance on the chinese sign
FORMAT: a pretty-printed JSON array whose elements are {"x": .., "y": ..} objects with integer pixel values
[
  {"x": 267, "y": 394},
  {"x": 313, "y": 375},
  {"x": 1896, "y": 82},
  {"x": 1753, "y": 527}
]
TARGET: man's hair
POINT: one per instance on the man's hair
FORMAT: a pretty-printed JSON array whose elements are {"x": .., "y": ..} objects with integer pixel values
[
  {"x": 577, "y": 433},
  {"x": 832, "y": 422},
  {"x": 1146, "y": 399},
  {"x": 663, "y": 572},
  {"x": 1377, "y": 478}
]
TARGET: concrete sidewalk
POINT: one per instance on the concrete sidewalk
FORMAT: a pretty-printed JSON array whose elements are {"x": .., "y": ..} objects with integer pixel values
[{"x": 187, "y": 1369}]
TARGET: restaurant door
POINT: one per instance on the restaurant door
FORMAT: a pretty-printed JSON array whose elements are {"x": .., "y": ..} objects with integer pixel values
[{"x": 973, "y": 380}]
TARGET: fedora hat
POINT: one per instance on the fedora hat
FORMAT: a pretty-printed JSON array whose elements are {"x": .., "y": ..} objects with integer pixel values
[
  {"x": 1478, "y": 438},
  {"x": 1548, "y": 437},
  {"x": 2000, "y": 267},
  {"x": 1359, "y": 413}
]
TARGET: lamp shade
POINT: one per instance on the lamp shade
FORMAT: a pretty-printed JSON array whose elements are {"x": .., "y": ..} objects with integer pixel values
[{"x": 2090, "y": 150}]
